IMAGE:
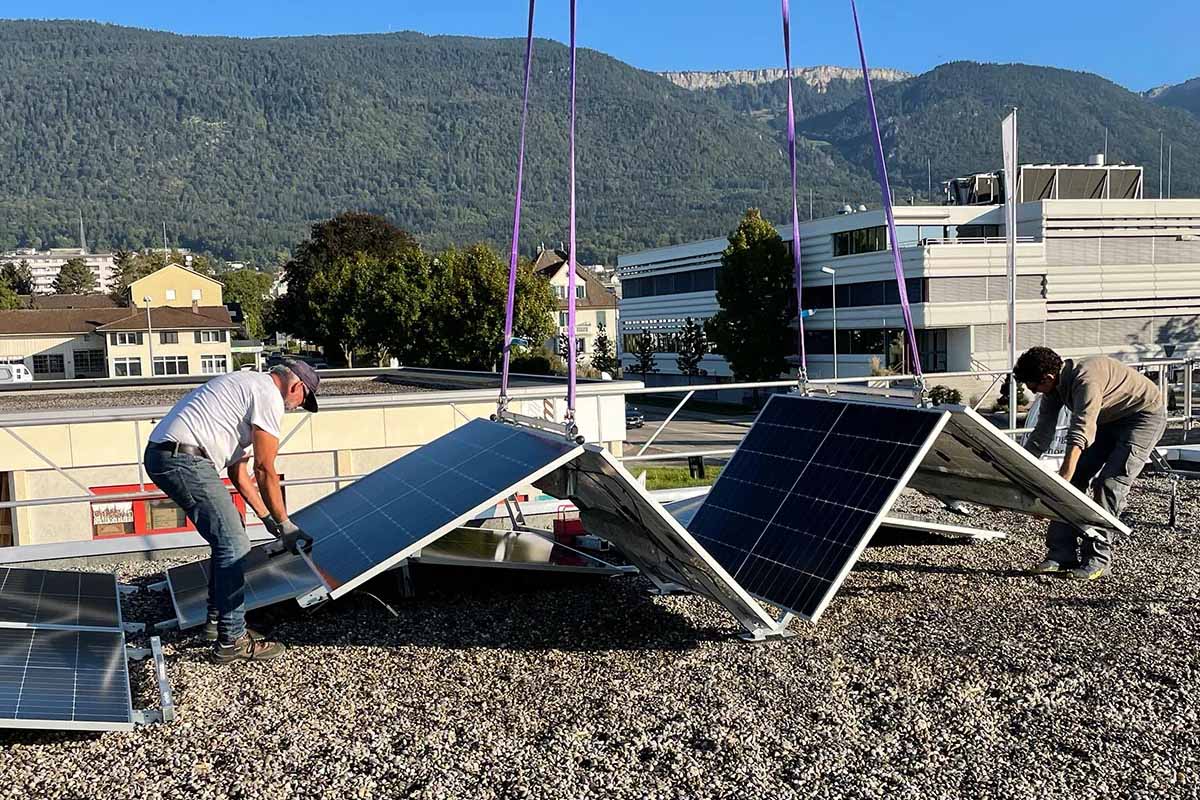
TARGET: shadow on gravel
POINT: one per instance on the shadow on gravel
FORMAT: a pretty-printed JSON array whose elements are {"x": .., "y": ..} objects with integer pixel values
[
  {"x": 481, "y": 609},
  {"x": 938, "y": 569}
]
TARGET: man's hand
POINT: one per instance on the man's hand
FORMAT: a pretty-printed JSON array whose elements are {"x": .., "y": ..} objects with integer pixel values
[
  {"x": 1070, "y": 462},
  {"x": 294, "y": 538},
  {"x": 272, "y": 527}
]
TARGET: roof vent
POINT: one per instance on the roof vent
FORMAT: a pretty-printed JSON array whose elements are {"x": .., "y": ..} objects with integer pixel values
[{"x": 1096, "y": 160}]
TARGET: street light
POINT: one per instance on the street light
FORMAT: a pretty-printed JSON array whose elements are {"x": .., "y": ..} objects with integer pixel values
[
  {"x": 832, "y": 273},
  {"x": 149, "y": 333}
]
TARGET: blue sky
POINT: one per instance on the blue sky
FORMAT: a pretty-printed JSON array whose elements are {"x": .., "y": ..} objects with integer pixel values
[{"x": 1138, "y": 45}]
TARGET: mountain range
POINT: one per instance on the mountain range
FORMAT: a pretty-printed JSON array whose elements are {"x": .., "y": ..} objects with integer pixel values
[{"x": 238, "y": 145}]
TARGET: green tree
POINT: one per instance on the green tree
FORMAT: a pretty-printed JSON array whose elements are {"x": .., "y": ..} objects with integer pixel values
[
  {"x": 8, "y": 298},
  {"x": 249, "y": 288},
  {"x": 604, "y": 357},
  {"x": 754, "y": 286},
  {"x": 18, "y": 276},
  {"x": 692, "y": 347},
  {"x": 464, "y": 326},
  {"x": 1002, "y": 403},
  {"x": 332, "y": 246},
  {"x": 75, "y": 277},
  {"x": 643, "y": 353}
]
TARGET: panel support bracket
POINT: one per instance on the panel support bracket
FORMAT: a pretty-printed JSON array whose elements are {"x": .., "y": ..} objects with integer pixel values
[
  {"x": 166, "y": 703},
  {"x": 567, "y": 430}
]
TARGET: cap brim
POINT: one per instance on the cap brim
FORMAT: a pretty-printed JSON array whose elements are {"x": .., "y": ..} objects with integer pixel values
[{"x": 310, "y": 401}]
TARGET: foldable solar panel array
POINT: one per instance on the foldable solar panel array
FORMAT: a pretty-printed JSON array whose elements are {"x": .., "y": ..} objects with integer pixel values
[{"x": 63, "y": 661}]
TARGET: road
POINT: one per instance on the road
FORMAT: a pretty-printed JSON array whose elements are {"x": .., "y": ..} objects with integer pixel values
[{"x": 690, "y": 430}]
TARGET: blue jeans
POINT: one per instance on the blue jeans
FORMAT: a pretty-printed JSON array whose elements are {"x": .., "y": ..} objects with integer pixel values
[{"x": 192, "y": 482}]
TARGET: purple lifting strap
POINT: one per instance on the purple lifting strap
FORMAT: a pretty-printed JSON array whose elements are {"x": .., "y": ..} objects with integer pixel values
[
  {"x": 801, "y": 348},
  {"x": 886, "y": 188},
  {"x": 516, "y": 235},
  {"x": 571, "y": 244}
]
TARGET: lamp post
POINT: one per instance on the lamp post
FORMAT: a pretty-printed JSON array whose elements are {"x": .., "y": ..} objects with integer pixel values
[
  {"x": 149, "y": 333},
  {"x": 832, "y": 273}
]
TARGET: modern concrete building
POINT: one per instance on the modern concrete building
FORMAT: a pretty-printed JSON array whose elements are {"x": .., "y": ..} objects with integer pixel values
[
  {"x": 1116, "y": 276},
  {"x": 596, "y": 306}
]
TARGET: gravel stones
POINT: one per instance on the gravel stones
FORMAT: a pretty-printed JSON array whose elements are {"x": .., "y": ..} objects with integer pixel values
[{"x": 940, "y": 670}]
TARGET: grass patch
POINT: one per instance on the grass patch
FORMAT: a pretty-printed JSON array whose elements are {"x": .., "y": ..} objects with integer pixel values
[{"x": 678, "y": 477}]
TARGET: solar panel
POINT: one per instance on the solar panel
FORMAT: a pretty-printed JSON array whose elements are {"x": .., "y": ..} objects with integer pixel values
[
  {"x": 614, "y": 506},
  {"x": 376, "y": 522},
  {"x": 64, "y": 679},
  {"x": 972, "y": 461},
  {"x": 373, "y": 524},
  {"x": 810, "y": 483},
  {"x": 58, "y": 598},
  {"x": 269, "y": 579}
]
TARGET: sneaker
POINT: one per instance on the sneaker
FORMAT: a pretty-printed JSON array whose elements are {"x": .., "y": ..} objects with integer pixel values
[
  {"x": 249, "y": 647},
  {"x": 210, "y": 630},
  {"x": 1048, "y": 567},
  {"x": 1088, "y": 573}
]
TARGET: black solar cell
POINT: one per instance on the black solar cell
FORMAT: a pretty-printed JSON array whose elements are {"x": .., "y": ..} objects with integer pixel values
[
  {"x": 805, "y": 490},
  {"x": 46, "y": 597}
]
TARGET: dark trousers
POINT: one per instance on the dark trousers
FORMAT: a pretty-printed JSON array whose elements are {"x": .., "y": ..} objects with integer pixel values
[
  {"x": 1109, "y": 467},
  {"x": 192, "y": 482}
]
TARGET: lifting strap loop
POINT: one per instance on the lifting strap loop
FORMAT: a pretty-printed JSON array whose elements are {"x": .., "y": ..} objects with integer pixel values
[
  {"x": 886, "y": 189},
  {"x": 571, "y": 367},
  {"x": 516, "y": 235},
  {"x": 801, "y": 347}
]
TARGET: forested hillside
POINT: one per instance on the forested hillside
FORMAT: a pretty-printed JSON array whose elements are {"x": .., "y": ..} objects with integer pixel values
[
  {"x": 950, "y": 116},
  {"x": 238, "y": 145},
  {"x": 1184, "y": 95}
]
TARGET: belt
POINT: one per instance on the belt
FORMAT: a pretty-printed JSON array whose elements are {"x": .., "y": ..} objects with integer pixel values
[{"x": 175, "y": 448}]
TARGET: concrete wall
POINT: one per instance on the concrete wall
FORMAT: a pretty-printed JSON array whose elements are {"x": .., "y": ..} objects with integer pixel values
[{"x": 345, "y": 440}]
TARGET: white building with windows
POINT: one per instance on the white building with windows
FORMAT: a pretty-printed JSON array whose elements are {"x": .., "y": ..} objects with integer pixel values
[
  {"x": 46, "y": 264},
  {"x": 596, "y": 306},
  {"x": 1094, "y": 275}
]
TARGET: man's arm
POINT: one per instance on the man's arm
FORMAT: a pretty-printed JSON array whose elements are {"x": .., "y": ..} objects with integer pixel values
[
  {"x": 1070, "y": 461},
  {"x": 1043, "y": 430},
  {"x": 240, "y": 478},
  {"x": 266, "y": 447}
]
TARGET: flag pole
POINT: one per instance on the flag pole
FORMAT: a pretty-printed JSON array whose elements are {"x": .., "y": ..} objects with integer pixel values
[{"x": 1011, "y": 196}]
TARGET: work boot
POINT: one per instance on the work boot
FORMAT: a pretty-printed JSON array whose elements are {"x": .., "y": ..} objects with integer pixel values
[
  {"x": 1049, "y": 567},
  {"x": 1088, "y": 572},
  {"x": 249, "y": 647}
]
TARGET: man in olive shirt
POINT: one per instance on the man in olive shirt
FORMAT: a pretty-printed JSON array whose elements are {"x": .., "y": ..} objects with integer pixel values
[{"x": 1117, "y": 418}]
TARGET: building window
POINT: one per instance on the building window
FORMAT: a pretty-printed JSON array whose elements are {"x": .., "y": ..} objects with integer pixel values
[
  {"x": 170, "y": 294},
  {"x": 562, "y": 319},
  {"x": 560, "y": 292},
  {"x": 127, "y": 367},
  {"x": 168, "y": 337},
  {"x": 89, "y": 363},
  {"x": 195, "y": 294},
  {"x": 580, "y": 345},
  {"x": 126, "y": 338},
  {"x": 601, "y": 319},
  {"x": 863, "y": 240},
  {"x": 580, "y": 291},
  {"x": 209, "y": 337},
  {"x": 694, "y": 280},
  {"x": 51, "y": 364},
  {"x": 865, "y": 293},
  {"x": 213, "y": 365},
  {"x": 12, "y": 359},
  {"x": 170, "y": 365}
]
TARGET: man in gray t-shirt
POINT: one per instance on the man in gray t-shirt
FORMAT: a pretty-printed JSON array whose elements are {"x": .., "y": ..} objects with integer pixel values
[{"x": 210, "y": 431}]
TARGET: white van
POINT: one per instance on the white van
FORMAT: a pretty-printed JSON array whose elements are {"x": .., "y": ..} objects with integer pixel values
[{"x": 15, "y": 373}]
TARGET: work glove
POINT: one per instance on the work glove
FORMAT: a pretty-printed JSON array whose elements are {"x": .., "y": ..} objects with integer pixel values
[
  {"x": 272, "y": 527},
  {"x": 293, "y": 538}
]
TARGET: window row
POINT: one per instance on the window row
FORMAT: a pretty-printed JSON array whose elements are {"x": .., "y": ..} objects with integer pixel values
[
  {"x": 167, "y": 337},
  {"x": 170, "y": 365},
  {"x": 696, "y": 280},
  {"x": 866, "y": 293},
  {"x": 874, "y": 239},
  {"x": 580, "y": 291}
]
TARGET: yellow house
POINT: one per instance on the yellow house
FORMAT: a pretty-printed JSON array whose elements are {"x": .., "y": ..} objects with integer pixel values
[{"x": 176, "y": 287}]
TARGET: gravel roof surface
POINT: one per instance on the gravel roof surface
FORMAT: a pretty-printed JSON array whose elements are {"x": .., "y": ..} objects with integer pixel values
[
  {"x": 940, "y": 670},
  {"x": 124, "y": 398}
]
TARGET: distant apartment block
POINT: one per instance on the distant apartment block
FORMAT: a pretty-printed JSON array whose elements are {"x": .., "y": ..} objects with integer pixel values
[
  {"x": 1099, "y": 270},
  {"x": 46, "y": 264}
]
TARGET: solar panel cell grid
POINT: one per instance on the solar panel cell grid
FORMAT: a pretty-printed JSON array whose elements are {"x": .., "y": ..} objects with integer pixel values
[
  {"x": 804, "y": 490},
  {"x": 44, "y": 597},
  {"x": 63, "y": 676}
]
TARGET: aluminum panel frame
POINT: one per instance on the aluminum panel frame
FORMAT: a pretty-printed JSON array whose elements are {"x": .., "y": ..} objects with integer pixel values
[{"x": 455, "y": 550}]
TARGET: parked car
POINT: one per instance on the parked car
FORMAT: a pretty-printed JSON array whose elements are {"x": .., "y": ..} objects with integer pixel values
[
  {"x": 633, "y": 417},
  {"x": 15, "y": 373}
]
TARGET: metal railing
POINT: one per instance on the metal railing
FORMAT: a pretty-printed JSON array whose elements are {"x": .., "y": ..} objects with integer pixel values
[{"x": 1170, "y": 373}]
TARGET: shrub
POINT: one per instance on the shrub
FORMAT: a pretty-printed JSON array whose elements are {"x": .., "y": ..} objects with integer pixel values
[{"x": 944, "y": 395}]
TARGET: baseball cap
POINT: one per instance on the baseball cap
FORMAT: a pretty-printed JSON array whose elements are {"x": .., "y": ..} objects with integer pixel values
[{"x": 308, "y": 376}]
